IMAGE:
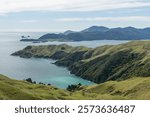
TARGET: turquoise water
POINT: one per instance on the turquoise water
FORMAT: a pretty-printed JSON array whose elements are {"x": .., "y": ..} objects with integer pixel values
[{"x": 40, "y": 70}]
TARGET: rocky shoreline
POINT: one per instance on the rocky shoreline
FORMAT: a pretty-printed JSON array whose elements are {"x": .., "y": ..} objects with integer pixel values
[{"x": 101, "y": 64}]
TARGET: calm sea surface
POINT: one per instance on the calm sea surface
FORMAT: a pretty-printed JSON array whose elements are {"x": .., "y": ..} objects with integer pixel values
[{"x": 40, "y": 70}]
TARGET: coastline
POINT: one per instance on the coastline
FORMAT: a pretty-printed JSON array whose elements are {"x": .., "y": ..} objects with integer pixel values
[{"x": 80, "y": 59}]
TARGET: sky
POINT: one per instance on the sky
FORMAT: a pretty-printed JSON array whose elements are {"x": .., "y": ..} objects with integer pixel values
[{"x": 62, "y": 15}]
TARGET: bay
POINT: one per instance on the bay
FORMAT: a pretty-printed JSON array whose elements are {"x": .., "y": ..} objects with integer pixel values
[{"x": 40, "y": 70}]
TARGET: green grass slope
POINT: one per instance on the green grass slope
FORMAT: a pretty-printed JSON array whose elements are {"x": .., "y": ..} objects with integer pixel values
[
  {"x": 134, "y": 88},
  {"x": 117, "y": 62},
  {"x": 49, "y": 51},
  {"x": 22, "y": 90},
  {"x": 101, "y": 64}
]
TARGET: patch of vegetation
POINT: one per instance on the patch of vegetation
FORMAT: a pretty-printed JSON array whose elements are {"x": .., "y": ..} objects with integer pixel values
[
  {"x": 34, "y": 82},
  {"x": 73, "y": 88},
  {"x": 134, "y": 88},
  {"x": 29, "y": 80}
]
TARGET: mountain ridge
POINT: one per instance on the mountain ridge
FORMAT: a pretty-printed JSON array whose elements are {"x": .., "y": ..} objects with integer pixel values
[{"x": 98, "y": 33}]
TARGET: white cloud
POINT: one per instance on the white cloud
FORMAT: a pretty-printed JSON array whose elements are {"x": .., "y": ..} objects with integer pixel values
[
  {"x": 32, "y": 30},
  {"x": 7, "y": 6},
  {"x": 126, "y": 18},
  {"x": 28, "y": 21}
]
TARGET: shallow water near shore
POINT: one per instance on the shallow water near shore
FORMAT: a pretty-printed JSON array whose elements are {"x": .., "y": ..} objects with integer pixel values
[{"x": 40, "y": 70}]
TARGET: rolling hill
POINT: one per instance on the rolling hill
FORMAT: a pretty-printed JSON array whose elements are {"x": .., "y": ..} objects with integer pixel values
[{"x": 135, "y": 88}]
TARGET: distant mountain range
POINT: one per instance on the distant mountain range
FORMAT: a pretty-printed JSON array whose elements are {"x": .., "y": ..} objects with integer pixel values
[{"x": 97, "y": 33}]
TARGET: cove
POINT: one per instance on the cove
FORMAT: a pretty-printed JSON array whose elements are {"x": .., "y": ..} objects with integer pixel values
[{"x": 40, "y": 70}]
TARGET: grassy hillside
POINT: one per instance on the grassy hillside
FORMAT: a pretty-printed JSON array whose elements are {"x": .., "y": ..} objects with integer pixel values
[
  {"x": 135, "y": 88},
  {"x": 101, "y": 64},
  {"x": 115, "y": 62},
  {"x": 15, "y": 89},
  {"x": 48, "y": 51}
]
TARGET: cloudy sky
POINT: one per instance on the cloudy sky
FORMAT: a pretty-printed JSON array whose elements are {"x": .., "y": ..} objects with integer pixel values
[{"x": 61, "y": 15}]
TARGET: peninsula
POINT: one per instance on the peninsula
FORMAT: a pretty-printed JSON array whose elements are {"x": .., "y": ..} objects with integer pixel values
[{"x": 101, "y": 64}]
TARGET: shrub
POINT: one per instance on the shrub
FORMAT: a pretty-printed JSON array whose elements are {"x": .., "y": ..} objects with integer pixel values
[
  {"x": 28, "y": 80},
  {"x": 74, "y": 87}
]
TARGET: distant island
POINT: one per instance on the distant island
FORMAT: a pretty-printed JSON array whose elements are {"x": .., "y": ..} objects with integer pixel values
[
  {"x": 96, "y": 33},
  {"x": 29, "y": 39}
]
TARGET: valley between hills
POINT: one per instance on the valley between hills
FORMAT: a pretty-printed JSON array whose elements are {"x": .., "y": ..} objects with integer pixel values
[{"x": 120, "y": 71}]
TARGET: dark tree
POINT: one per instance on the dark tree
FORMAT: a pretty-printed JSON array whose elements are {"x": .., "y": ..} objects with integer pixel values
[
  {"x": 49, "y": 84},
  {"x": 29, "y": 80},
  {"x": 41, "y": 83},
  {"x": 34, "y": 82},
  {"x": 74, "y": 87},
  {"x": 80, "y": 84},
  {"x": 62, "y": 48}
]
